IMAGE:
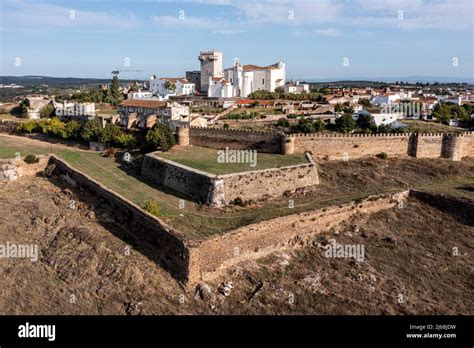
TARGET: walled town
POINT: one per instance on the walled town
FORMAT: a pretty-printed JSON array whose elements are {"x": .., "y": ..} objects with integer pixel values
[{"x": 235, "y": 190}]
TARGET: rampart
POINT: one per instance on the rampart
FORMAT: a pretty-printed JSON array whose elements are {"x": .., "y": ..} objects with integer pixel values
[
  {"x": 169, "y": 249},
  {"x": 335, "y": 146},
  {"x": 218, "y": 138},
  {"x": 209, "y": 257},
  {"x": 219, "y": 190},
  {"x": 192, "y": 261}
]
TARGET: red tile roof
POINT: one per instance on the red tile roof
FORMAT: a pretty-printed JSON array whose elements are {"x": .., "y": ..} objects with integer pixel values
[
  {"x": 175, "y": 79},
  {"x": 250, "y": 67},
  {"x": 245, "y": 101},
  {"x": 151, "y": 104}
]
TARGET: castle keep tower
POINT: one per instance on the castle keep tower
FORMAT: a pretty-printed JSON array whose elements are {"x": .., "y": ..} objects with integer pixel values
[{"x": 211, "y": 66}]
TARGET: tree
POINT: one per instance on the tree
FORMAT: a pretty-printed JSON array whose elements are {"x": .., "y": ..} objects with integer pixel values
[
  {"x": 47, "y": 111},
  {"x": 338, "y": 107},
  {"x": 319, "y": 125},
  {"x": 27, "y": 126},
  {"x": 365, "y": 102},
  {"x": 170, "y": 86},
  {"x": 280, "y": 92},
  {"x": 366, "y": 121},
  {"x": 283, "y": 122},
  {"x": 91, "y": 130},
  {"x": 161, "y": 137},
  {"x": 115, "y": 88},
  {"x": 24, "y": 105},
  {"x": 56, "y": 127},
  {"x": 72, "y": 130},
  {"x": 345, "y": 123}
]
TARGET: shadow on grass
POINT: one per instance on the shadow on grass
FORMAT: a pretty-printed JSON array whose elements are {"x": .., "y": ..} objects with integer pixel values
[{"x": 157, "y": 248}]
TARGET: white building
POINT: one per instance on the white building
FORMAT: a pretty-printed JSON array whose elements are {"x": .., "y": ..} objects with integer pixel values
[
  {"x": 220, "y": 88},
  {"x": 141, "y": 95},
  {"x": 66, "y": 109},
  {"x": 455, "y": 100},
  {"x": 176, "y": 86},
  {"x": 145, "y": 113},
  {"x": 296, "y": 88},
  {"x": 382, "y": 118},
  {"x": 387, "y": 98},
  {"x": 245, "y": 79}
]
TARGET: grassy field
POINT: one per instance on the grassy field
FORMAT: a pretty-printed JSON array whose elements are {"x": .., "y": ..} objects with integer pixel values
[
  {"x": 9, "y": 146},
  {"x": 430, "y": 127},
  {"x": 207, "y": 160},
  {"x": 341, "y": 182}
]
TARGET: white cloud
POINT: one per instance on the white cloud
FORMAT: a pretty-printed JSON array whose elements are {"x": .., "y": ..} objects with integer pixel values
[
  {"x": 175, "y": 22},
  {"x": 26, "y": 15}
]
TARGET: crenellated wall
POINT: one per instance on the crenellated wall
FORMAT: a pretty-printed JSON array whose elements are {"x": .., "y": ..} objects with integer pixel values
[
  {"x": 340, "y": 146},
  {"x": 335, "y": 146},
  {"x": 218, "y": 138}
]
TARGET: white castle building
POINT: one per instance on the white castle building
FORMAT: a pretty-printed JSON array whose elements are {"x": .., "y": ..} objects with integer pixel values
[{"x": 239, "y": 80}]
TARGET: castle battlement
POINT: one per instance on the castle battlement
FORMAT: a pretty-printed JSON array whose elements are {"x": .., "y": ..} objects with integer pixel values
[{"x": 247, "y": 131}]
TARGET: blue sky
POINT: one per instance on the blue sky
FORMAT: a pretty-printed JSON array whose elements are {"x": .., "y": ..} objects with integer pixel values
[{"x": 378, "y": 38}]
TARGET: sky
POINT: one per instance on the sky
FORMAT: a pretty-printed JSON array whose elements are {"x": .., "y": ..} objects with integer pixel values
[{"x": 317, "y": 39}]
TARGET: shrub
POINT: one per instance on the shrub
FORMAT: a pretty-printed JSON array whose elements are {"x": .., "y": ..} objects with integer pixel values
[
  {"x": 382, "y": 155},
  {"x": 125, "y": 140},
  {"x": 31, "y": 159},
  {"x": 27, "y": 126},
  {"x": 153, "y": 207},
  {"x": 283, "y": 122},
  {"x": 161, "y": 137},
  {"x": 239, "y": 201},
  {"x": 366, "y": 122},
  {"x": 345, "y": 123},
  {"x": 91, "y": 130},
  {"x": 72, "y": 130},
  {"x": 47, "y": 111},
  {"x": 57, "y": 128}
]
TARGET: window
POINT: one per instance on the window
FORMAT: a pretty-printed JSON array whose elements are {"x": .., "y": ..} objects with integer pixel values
[{"x": 263, "y": 81}]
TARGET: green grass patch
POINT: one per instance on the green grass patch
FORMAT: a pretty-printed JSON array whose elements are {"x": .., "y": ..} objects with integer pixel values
[{"x": 207, "y": 160}]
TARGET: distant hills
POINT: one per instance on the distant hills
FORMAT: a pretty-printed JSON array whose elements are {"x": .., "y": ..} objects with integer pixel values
[
  {"x": 73, "y": 82},
  {"x": 409, "y": 79},
  {"x": 55, "y": 81}
]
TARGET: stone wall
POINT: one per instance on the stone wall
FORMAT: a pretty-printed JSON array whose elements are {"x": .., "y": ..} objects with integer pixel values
[
  {"x": 336, "y": 147},
  {"x": 270, "y": 182},
  {"x": 218, "y": 138},
  {"x": 429, "y": 145},
  {"x": 191, "y": 182},
  {"x": 169, "y": 249},
  {"x": 467, "y": 145},
  {"x": 219, "y": 190},
  {"x": 209, "y": 257}
]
